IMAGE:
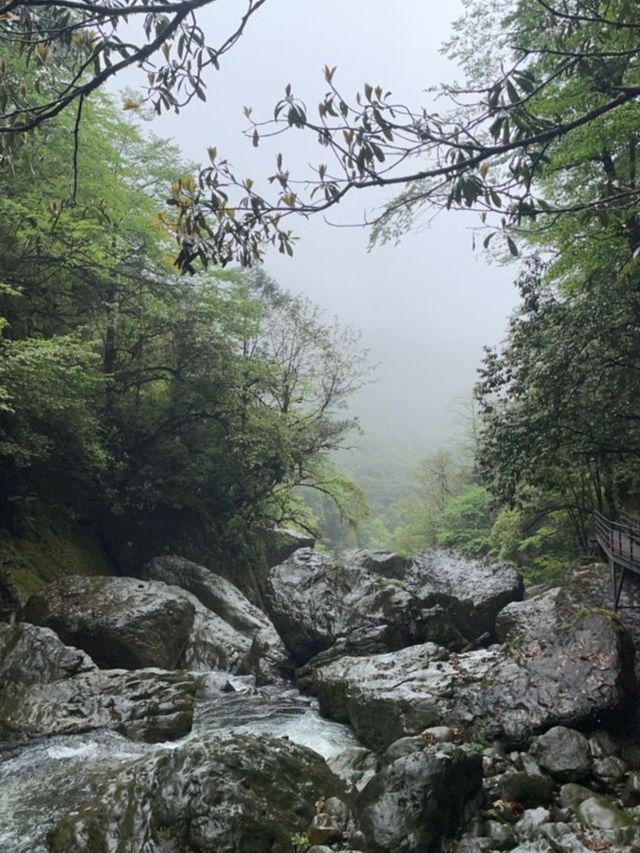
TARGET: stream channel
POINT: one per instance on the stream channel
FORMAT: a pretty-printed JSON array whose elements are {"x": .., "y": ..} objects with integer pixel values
[{"x": 44, "y": 780}]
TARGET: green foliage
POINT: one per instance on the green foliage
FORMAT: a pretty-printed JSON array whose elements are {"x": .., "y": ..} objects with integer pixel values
[
  {"x": 126, "y": 388},
  {"x": 465, "y": 522},
  {"x": 300, "y": 842}
]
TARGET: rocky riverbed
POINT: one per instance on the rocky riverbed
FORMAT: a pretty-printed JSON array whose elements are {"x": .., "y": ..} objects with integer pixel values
[{"x": 440, "y": 712}]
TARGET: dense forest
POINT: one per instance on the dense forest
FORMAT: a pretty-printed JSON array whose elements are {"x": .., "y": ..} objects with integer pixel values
[
  {"x": 129, "y": 393},
  {"x": 140, "y": 381}
]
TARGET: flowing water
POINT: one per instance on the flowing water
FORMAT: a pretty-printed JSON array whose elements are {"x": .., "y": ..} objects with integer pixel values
[{"x": 46, "y": 779}]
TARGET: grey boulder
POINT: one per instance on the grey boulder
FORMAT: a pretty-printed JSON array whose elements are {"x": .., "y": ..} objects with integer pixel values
[
  {"x": 482, "y": 589},
  {"x": 527, "y": 620},
  {"x": 214, "y": 795},
  {"x": 148, "y": 704},
  {"x": 564, "y": 753},
  {"x": 418, "y": 799},
  {"x": 253, "y": 630},
  {"x": 576, "y": 677},
  {"x": 119, "y": 622},
  {"x": 30, "y": 655},
  {"x": 322, "y": 607}
]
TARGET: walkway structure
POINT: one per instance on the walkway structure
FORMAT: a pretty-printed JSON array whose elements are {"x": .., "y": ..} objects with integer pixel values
[{"x": 620, "y": 541}]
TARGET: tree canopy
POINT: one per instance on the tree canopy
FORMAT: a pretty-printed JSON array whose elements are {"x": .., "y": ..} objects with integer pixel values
[
  {"x": 538, "y": 74},
  {"x": 126, "y": 389}
]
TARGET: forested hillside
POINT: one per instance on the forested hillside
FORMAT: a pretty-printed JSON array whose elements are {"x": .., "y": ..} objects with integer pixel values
[{"x": 136, "y": 400}]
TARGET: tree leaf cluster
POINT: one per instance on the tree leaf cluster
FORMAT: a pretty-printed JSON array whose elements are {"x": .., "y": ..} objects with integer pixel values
[{"x": 127, "y": 389}]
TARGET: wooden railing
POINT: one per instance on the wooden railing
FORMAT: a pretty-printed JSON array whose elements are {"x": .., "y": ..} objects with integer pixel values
[{"x": 620, "y": 540}]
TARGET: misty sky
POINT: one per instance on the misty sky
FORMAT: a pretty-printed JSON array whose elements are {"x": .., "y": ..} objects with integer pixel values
[{"x": 425, "y": 307}]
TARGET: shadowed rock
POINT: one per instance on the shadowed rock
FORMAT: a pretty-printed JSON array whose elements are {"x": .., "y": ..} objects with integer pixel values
[
  {"x": 119, "y": 622},
  {"x": 418, "y": 799},
  {"x": 283, "y": 542}
]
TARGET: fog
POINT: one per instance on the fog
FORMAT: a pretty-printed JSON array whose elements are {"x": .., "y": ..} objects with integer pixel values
[{"x": 425, "y": 307}]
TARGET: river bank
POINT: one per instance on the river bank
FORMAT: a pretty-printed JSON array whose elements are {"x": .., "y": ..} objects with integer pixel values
[{"x": 439, "y": 712}]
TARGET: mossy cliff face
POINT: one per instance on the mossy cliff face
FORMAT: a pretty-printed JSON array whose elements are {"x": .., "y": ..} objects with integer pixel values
[{"x": 29, "y": 563}]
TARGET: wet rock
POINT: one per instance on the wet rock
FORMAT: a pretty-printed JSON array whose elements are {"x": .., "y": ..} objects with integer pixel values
[
  {"x": 576, "y": 677},
  {"x": 527, "y": 789},
  {"x": 33, "y": 655},
  {"x": 323, "y": 828},
  {"x": 482, "y": 588},
  {"x": 531, "y": 823},
  {"x": 418, "y": 799},
  {"x": 603, "y": 744},
  {"x": 438, "y": 734},
  {"x": 338, "y": 810},
  {"x": 384, "y": 563},
  {"x": 213, "y": 644},
  {"x": 564, "y": 753},
  {"x": 356, "y": 766},
  {"x": 631, "y": 792},
  {"x": 322, "y": 607},
  {"x": 119, "y": 622},
  {"x": 588, "y": 587},
  {"x": 225, "y": 600},
  {"x": 212, "y": 685},
  {"x": 212, "y": 794},
  {"x": 284, "y": 542},
  {"x": 314, "y": 601},
  {"x": 609, "y": 770},
  {"x": 404, "y": 746},
  {"x": 526, "y": 620},
  {"x": 599, "y": 813},
  {"x": 146, "y": 704},
  {"x": 501, "y": 834},
  {"x": 356, "y": 840},
  {"x": 469, "y": 844},
  {"x": 386, "y": 697},
  {"x": 572, "y": 794}
]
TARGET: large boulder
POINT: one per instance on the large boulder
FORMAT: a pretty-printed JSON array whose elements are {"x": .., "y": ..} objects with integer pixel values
[
  {"x": 317, "y": 603},
  {"x": 588, "y": 587},
  {"x": 482, "y": 589},
  {"x": 564, "y": 753},
  {"x": 384, "y": 563},
  {"x": 119, "y": 622},
  {"x": 576, "y": 677},
  {"x": 30, "y": 654},
  {"x": 313, "y": 601},
  {"x": 418, "y": 799},
  {"x": 214, "y": 795},
  {"x": 147, "y": 704},
  {"x": 252, "y": 630},
  {"x": 526, "y": 620}
]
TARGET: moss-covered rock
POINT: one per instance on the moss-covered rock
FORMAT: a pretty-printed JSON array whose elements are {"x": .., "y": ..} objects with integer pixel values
[{"x": 29, "y": 563}]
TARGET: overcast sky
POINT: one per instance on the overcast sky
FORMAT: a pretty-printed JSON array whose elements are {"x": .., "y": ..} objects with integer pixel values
[{"x": 425, "y": 307}]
